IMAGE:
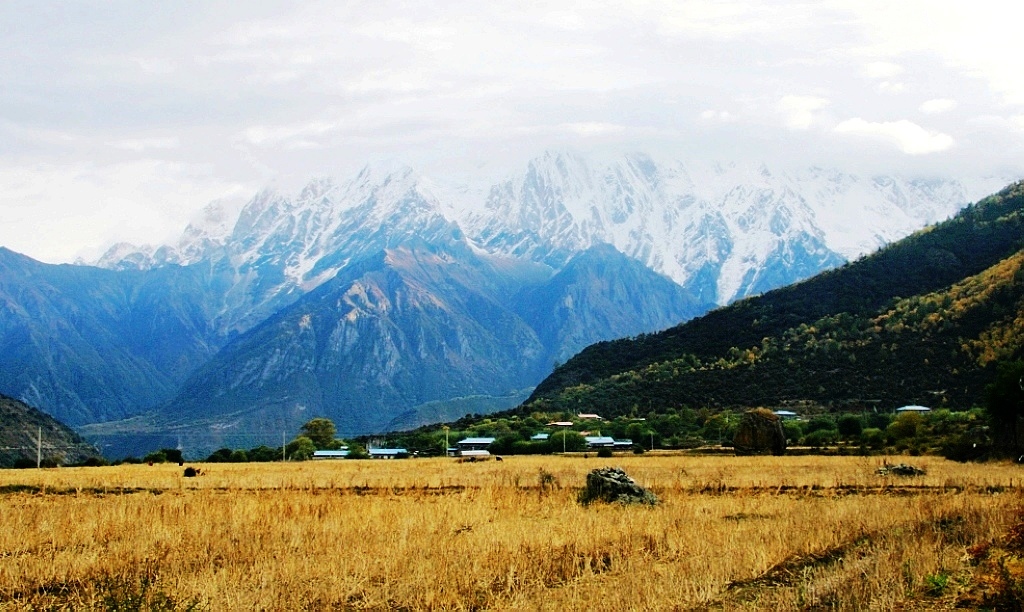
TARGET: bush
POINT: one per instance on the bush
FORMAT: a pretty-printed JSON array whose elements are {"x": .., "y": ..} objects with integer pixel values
[
  {"x": 966, "y": 447},
  {"x": 873, "y": 438},
  {"x": 300, "y": 449},
  {"x": 604, "y": 452},
  {"x": 221, "y": 455},
  {"x": 792, "y": 430},
  {"x": 819, "y": 423},
  {"x": 821, "y": 437},
  {"x": 155, "y": 457},
  {"x": 574, "y": 442},
  {"x": 357, "y": 451},
  {"x": 264, "y": 453},
  {"x": 904, "y": 426},
  {"x": 93, "y": 462},
  {"x": 849, "y": 426}
]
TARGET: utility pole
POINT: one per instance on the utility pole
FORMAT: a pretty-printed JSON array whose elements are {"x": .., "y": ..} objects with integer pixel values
[
  {"x": 39, "y": 449},
  {"x": 284, "y": 457}
]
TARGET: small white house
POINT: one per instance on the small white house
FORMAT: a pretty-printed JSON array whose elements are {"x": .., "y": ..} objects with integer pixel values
[
  {"x": 539, "y": 437},
  {"x": 917, "y": 409},
  {"x": 330, "y": 454},
  {"x": 474, "y": 453},
  {"x": 387, "y": 453},
  {"x": 474, "y": 444},
  {"x": 600, "y": 441},
  {"x": 786, "y": 414}
]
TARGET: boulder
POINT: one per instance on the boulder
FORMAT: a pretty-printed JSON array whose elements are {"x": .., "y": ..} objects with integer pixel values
[
  {"x": 760, "y": 433},
  {"x": 613, "y": 485}
]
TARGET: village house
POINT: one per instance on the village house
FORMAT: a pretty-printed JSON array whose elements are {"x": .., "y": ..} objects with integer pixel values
[
  {"x": 387, "y": 453},
  {"x": 330, "y": 454}
]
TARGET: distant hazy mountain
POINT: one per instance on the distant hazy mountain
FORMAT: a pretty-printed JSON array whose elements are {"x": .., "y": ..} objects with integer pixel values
[
  {"x": 386, "y": 295},
  {"x": 86, "y": 344}
]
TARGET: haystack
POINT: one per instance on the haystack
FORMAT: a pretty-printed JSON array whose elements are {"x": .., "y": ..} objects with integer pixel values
[{"x": 760, "y": 433}]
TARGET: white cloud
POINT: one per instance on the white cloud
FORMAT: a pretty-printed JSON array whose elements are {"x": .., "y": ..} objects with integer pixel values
[
  {"x": 139, "y": 145},
  {"x": 907, "y": 136},
  {"x": 881, "y": 70},
  {"x": 592, "y": 128},
  {"x": 801, "y": 112},
  {"x": 721, "y": 116},
  {"x": 255, "y": 93},
  {"x": 937, "y": 106},
  {"x": 49, "y": 207},
  {"x": 890, "y": 87},
  {"x": 980, "y": 39}
]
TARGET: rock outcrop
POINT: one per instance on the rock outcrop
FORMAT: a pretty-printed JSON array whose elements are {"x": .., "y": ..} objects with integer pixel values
[{"x": 613, "y": 485}]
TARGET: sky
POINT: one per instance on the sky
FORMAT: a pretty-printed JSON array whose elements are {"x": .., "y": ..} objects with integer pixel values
[{"x": 120, "y": 120}]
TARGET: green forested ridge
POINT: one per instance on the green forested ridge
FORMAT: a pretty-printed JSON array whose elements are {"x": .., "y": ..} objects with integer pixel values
[{"x": 920, "y": 321}]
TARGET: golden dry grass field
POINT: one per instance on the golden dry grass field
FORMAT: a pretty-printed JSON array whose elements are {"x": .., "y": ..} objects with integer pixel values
[{"x": 425, "y": 534}]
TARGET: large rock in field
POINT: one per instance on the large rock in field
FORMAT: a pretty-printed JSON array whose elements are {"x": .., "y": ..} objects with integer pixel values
[
  {"x": 613, "y": 485},
  {"x": 760, "y": 433}
]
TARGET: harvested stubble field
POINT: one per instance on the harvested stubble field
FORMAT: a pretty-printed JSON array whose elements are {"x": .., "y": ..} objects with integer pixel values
[{"x": 762, "y": 533}]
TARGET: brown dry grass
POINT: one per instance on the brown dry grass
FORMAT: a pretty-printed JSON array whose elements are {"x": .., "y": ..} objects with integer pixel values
[{"x": 757, "y": 533}]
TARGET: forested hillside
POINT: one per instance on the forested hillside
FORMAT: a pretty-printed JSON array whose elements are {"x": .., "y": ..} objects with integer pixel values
[
  {"x": 20, "y": 429},
  {"x": 921, "y": 321}
]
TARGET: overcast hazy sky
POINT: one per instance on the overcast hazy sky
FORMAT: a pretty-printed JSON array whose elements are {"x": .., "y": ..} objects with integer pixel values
[{"x": 120, "y": 119}]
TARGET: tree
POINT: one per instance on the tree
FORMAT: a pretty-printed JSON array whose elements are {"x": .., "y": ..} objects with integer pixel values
[
  {"x": 264, "y": 453},
  {"x": 849, "y": 426},
  {"x": 300, "y": 449},
  {"x": 357, "y": 451},
  {"x": 1005, "y": 401},
  {"x": 221, "y": 455},
  {"x": 573, "y": 441},
  {"x": 321, "y": 432}
]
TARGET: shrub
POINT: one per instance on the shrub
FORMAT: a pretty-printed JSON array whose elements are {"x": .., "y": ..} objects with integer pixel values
[
  {"x": 819, "y": 423},
  {"x": 905, "y": 426},
  {"x": 821, "y": 437},
  {"x": 221, "y": 455},
  {"x": 604, "y": 452},
  {"x": 849, "y": 426},
  {"x": 264, "y": 453},
  {"x": 357, "y": 451},
  {"x": 155, "y": 457},
  {"x": 300, "y": 449},
  {"x": 873, "y": 438}
]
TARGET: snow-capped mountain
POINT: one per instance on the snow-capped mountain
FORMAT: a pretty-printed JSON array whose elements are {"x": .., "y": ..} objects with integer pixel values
[{"x": 721, "y": 231}]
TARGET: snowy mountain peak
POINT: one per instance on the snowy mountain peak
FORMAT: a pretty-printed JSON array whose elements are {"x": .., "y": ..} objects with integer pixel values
[{"x": 723, "y": 230}]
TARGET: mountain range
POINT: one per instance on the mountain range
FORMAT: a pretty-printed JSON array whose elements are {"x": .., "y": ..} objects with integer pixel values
[
  {"x": 393, "y": 299},
  {"x": 925, "y": 320}
]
